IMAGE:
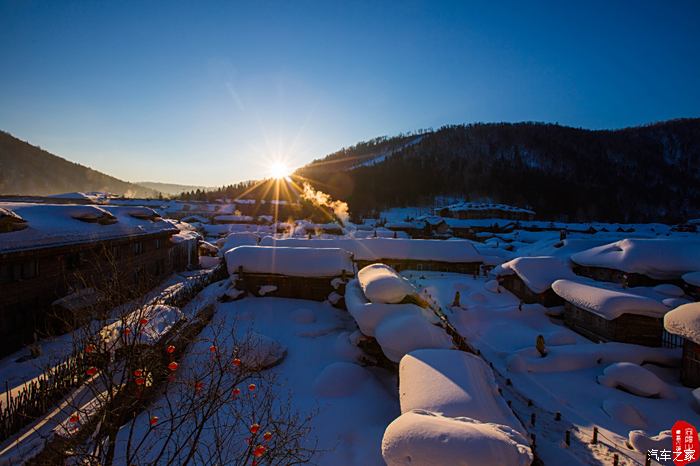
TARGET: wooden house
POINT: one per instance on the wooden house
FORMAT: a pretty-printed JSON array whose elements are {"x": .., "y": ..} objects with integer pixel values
[
  {"x": 289, "y": 272},
  {"x": 604, "y": 315},
  {"x": 684, "y": 322},
  {"x": 413, "y": 228},
  {"x": 316, "y": 229},
  {"x": 531, "y": 278},
  {"x": 399, "y": 253},
  {"x": 639, "y": 262},
  {"x": 481, "y": 210},
  {"x": 68, "y": 248}
]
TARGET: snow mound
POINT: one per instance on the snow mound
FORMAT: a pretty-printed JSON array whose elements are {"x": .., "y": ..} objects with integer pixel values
[
  {"x": 656, "y": 258},
  {"x": 266, "y": 289},
  {"x": 608, "y": 304},
  {"x": 421, "y": 438},
  {"x": 382, "y": 284},
  {"x": 303, "y": 316},
  {"x": 538, "y": 273},
  {"x": 625, "y": 413},
  {"x": 643, "y": 442},
  {"x": 684, "y": 321},
  {"x": 492, "y": 286},
  {"x": 233, "y": 240},
  {"x": 295, "y": 262},
  {"x": 452, "y": 383},
  {"x": 673, "y": 303},
  {"x": 146, "y": 326},
  {"x": 634, "y": 379},
  {"x": 669, "y": 290},
  {"x": 408, "y": 332},
  {"x": 340, "y": 379},
  {"x": 692, "y": 278},
  {"x": 261, "y": 351},
  {"x": 369, "y": 315}
]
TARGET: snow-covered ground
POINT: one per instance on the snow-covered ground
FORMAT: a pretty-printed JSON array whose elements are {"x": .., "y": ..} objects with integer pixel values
[{"x": 576, "y": 378}]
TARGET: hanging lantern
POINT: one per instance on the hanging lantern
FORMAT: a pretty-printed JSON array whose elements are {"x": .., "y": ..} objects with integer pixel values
[
  {"x": 254, "y": 428},
  {"x": 267, "y": 436},
  {"x": 73, "y": 419},
  {"x": 235, "y": 392},
  {"x": 143, "y": 321},
  {"x": 251, "y": 387},
  {"x": 90, "y": 349},
  {"x": 212, "y": 349},
  {"x": 170, "y": 349},
  {"x": 236, "y": 362},
  {"x": 173, "y": 366},
  {"x": 140, "y": 381},
  {"x": 154, "y": 420},
  {"x": 138, "y": 373},
  {"x": 91, "y": 371}
]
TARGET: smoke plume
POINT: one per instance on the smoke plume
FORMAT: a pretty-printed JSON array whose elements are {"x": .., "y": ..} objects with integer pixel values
[{"x": 319, "y": 198}]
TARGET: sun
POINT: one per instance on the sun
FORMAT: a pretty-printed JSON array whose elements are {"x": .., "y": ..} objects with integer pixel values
[{"x": 279, "y": 170}]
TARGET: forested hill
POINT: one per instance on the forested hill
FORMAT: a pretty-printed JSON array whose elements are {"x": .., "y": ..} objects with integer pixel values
[
  {"x": 30, "y": 170},
  {"x": 642, "y": 173}
]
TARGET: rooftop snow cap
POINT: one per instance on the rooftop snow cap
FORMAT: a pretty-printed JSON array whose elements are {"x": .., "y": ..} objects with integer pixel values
[
  {"x": 294, "y": 262},
  {"x": 92, "y": 214},
  {"x": 143, "y": 213},
  {"x": 608, "y": 304},
  {"x": 10, "y": 221},
  {"x": 656, "y": 258},
  {"x": 382, "y": 284},
  {"x": 684, "y": 321}
]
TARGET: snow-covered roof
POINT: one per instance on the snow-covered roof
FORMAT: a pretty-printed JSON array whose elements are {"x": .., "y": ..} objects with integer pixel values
[
  {"x": 692, "y": 278},
  {"x": 480, "y": 206},
  {"x": 684, "y": 321},
  {"x": 405, "y": 225},
  {"x": 432, "y": 219},
  {"x": 538, "y": 273},
  {"x": 52, "y": 225},
  {"x": 608, "y": 304},
  {"x": 656, "y": 258},
  {"x": 478, "y": 222},
  {"x": 296, "y": 262},
  {"x": 452, "y": 383},
  {"x": 92, "y": 197},
  {"x": 378, "y": 249},
  {"x": 234, "y": 218}
]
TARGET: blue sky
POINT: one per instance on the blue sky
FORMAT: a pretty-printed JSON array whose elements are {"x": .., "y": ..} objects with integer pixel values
[{"x": 209, "y": 92}]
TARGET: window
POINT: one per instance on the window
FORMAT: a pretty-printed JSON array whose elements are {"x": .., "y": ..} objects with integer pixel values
[
  {"x": 18, "y": 271},
  {"x": 137, "y": 248}
]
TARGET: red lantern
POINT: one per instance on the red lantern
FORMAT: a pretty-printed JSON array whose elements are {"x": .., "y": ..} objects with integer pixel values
[
  {"x": 212, "y": 348},
  {"x": 251, "y": 387},
  {"x": 235, "y": 392},
  {"x": 254, "y": 428},
  {"x": 140, "y": 381},
  {"x": 127, "y": 331},
  {"x": 154, "y": 420},
  {"x": 236, "y": 362},
  {"x": 173, "y": 366},
  {"x": 170, "y": 349},
  {"x": 267, "y": 436},
  {"x": 259, "y": 451},
  {"x": 198, "y": 386},
  {"x": 138, "y": 373},
  {"x": 73, "y": 419},
  {"x": 91, "y": 371},
  {"x": 90, "y": 348},
  {"x": 143, "y": 321}
]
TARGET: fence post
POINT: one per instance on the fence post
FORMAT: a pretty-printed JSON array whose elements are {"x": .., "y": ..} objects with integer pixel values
[
  {"x": 616, "y": 460},
  {"x": 595, "y": 436},
  {"x": 567, "y": 438}
]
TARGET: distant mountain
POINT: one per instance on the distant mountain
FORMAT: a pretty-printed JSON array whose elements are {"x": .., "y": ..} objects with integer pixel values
[
  {"x": 30, "y": 170},
  {"x": 172, "y": 189},
  {"x": 644, "y": 173}
]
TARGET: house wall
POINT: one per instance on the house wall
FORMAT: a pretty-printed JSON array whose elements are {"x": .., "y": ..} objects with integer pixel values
[
  {"x": 628, "y": 328},
  {"x": 690, "y": 368},
  {"x": 516, "y": 285},
  {"x": 312, "y": 288},
  {"x": 30, "y": 281},
  {"x": 618, "y": 276},
  {"x": 435, "y": 266}
]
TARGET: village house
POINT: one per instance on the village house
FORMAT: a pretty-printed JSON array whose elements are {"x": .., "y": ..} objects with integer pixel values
[
  {"x": 531, "y": 278},
  {"x": 413, "y": 228},
  {"x": 639, "y": 262},
  {"x": 603, "y": 315},
  {"x": 684, "y": 322},
  {"x": 401, "y": 254},
  {"x": 290, "y": 272},
  {"x": 481, "y": 210},
  {"x": 54, "y": 259}
]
